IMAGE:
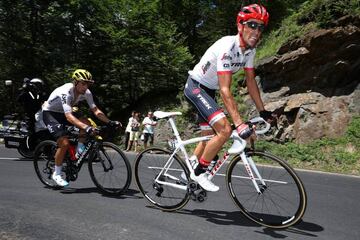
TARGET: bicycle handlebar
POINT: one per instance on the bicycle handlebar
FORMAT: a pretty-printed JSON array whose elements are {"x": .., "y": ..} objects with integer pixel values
[
  {"x": 239, "y": 144},
  {"x": 260, "y": 121}
]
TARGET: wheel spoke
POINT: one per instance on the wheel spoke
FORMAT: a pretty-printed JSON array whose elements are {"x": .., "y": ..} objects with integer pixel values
[
  {"x": 282, "y": 202},
  {"x": 148, "y": 165}
]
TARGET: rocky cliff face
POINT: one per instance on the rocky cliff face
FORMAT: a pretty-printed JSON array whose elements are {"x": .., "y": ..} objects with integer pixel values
[{"x": 313, "y": 83}]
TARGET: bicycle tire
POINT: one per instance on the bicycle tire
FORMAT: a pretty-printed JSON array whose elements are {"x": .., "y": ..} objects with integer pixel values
[
  {"x": 44, "y": 162},
  {"x": 148, "y": 165},
  {"x": 110, "y": 170},
  {"x": 24, "y": 150},
  {"x": 282, "y": 203},
  {"x": 26, "y": 153}
]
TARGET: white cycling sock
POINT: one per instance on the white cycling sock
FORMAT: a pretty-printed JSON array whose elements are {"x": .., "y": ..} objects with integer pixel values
[{"x": 58, "y": 170}]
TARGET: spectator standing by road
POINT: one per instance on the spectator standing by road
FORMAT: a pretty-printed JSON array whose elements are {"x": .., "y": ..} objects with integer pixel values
[
  {"x": 128, "y": 129},
  {"x": 148, "y": 131},
  {"x": 134, "y": 133}
]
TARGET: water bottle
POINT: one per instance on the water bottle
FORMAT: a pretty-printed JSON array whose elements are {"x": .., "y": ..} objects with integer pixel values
[{"x": 79, "y": 149}]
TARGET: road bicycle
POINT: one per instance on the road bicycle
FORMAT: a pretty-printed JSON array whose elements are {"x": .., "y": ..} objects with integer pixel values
[
  {"x": 109, "y": 168},
  {"x": 265, "y": 188}
]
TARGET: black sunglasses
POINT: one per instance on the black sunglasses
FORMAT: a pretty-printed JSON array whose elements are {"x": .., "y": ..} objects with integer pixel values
[{"x": 255, "y": 25}]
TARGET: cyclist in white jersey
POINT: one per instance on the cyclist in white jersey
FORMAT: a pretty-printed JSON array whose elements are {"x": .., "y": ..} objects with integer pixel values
[
  {"x": 57, "y": 114},
  {"x": 214, "y": 72}
]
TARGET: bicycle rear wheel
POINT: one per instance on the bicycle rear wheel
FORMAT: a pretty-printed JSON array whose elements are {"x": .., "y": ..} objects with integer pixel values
[
  {"x": 283, "y": 200},
  {"x": 44, "y": 162},
  {"x": 148, "y": 166},
  {"x": 110, "y": 170}
]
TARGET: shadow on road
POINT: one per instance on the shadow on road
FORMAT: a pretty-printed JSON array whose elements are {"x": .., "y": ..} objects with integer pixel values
[
  {"x": 130, "y": 193},
  {"x": 236, "y": 218}
]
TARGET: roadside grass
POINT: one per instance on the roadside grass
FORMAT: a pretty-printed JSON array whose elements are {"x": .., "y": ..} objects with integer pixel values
[{"x": 340, "y": 155}]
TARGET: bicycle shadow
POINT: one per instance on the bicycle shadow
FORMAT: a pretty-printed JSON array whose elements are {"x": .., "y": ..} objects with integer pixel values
[
  {"x": 236, "y": 218},
  {"x": 130, "y": 193}
]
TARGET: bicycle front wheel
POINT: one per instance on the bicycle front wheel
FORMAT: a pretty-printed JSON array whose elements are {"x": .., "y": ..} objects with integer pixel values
[
  {"x": 44, "y": 162},
  {"x": 162, "y": 187},
  {"x": 110, "y": 170},
  {"x": 282, "y": 201}
]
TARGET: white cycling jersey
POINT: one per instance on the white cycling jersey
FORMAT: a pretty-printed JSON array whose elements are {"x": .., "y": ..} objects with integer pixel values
[
  {"x": 224, "y": 56},
  {"x": 62, "y": 99}
]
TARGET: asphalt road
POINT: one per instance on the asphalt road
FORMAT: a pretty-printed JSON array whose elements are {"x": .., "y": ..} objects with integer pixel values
[{"x": 28, "y": 210}]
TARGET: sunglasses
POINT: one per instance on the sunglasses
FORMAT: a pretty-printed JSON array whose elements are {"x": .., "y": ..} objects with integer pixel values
[
  {"x": 86, "y": 83},
  {"x": 255, "y": 25}
]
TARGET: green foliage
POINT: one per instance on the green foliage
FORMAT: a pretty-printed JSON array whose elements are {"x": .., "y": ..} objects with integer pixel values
[
  {"x": 335, "y": 155},
  {"x": 129, "y": 49},
  {"x": 323, "y": 12},
  {"x": 311, "y": 15}
]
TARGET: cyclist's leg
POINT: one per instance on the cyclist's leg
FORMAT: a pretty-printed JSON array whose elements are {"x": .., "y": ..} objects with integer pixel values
[
  {"x": 204, "y": 100},
  {"x": 223, "y": 131},
  {"x": 205, "y": 131},
  {"x": 55, "y": 122}
]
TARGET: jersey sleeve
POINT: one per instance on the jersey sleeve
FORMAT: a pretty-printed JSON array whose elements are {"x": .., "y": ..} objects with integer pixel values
[
  {"x": 89, "y": 99},
  {"x": 66, "y": 102},
  {"x": 224, "y": 63},
  {"x": 250, "y": 61}
]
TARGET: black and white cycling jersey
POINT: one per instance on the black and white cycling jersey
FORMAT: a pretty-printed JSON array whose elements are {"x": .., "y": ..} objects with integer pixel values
[{"x": 62, "y": 99}]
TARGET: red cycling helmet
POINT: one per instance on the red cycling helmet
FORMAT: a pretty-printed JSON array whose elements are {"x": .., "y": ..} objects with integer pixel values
[{"x": 253, "y": 11}]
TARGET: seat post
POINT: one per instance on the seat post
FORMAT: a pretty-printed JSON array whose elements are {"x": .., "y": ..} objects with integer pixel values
[{"x": 174, "y": 128}]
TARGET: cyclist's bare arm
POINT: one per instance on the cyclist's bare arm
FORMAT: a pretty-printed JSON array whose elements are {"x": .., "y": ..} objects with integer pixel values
[
  {"x": 253, "y": 89},
  {"x": 75, "y": 121},
  {"x": 100, "y": 115},
  {"x": 228, "y": 99}
]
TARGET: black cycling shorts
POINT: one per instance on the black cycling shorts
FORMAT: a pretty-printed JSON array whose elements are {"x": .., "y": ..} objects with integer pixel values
[
  {"x": 203, "y": 99},
  {"x": 55, "y": 123}
]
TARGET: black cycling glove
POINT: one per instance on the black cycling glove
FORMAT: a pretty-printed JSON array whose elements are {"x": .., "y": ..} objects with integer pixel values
[
  {"x": 89, "y": 130},
  {"x": 245, "y": 130},
  {"x": 114, "y": 124},
  {"x": 266, "y": 115}
]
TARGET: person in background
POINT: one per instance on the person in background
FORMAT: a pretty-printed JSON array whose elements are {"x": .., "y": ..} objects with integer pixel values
[
  {"x": 148, "y": 131},
  {"x": 128, "y": 129},
  {"x": 134, "y": 133}
]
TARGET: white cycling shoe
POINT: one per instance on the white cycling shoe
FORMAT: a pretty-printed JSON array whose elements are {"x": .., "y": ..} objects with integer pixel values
[
  {"x": 204, "y": 182},
  {"x": 59, "y": 180}
]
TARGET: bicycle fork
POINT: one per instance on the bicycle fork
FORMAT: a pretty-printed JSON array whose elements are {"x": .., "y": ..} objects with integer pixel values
[{"x": 250, "y": 167}]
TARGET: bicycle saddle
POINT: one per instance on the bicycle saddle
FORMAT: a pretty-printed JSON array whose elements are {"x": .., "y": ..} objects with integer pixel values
[{"x": 161, "y": 114}]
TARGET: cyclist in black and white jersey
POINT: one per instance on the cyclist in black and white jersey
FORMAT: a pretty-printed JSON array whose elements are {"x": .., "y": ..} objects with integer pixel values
[
  {"x": 57, "y": 113},
  {"x": 214, "y": 72}
]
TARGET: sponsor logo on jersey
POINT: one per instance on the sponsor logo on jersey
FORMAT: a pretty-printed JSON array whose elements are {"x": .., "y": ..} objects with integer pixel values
[
  {"x": 203, "y": 100},
  {"x": 206, "y": 67},
  {"x": 226, "y": 57},
  {"x": 196, "y": 91},
  {"x": 239, "y": 64},
  {"x": 63, "y": 98}
]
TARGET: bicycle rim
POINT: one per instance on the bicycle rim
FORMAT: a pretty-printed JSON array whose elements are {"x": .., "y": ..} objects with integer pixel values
[
  {"x": 110, "y": 170},
  {"x": 148, "y": 166},
  {"x": 44, "y": 162},
  {"x": 283, "y": 201}
]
